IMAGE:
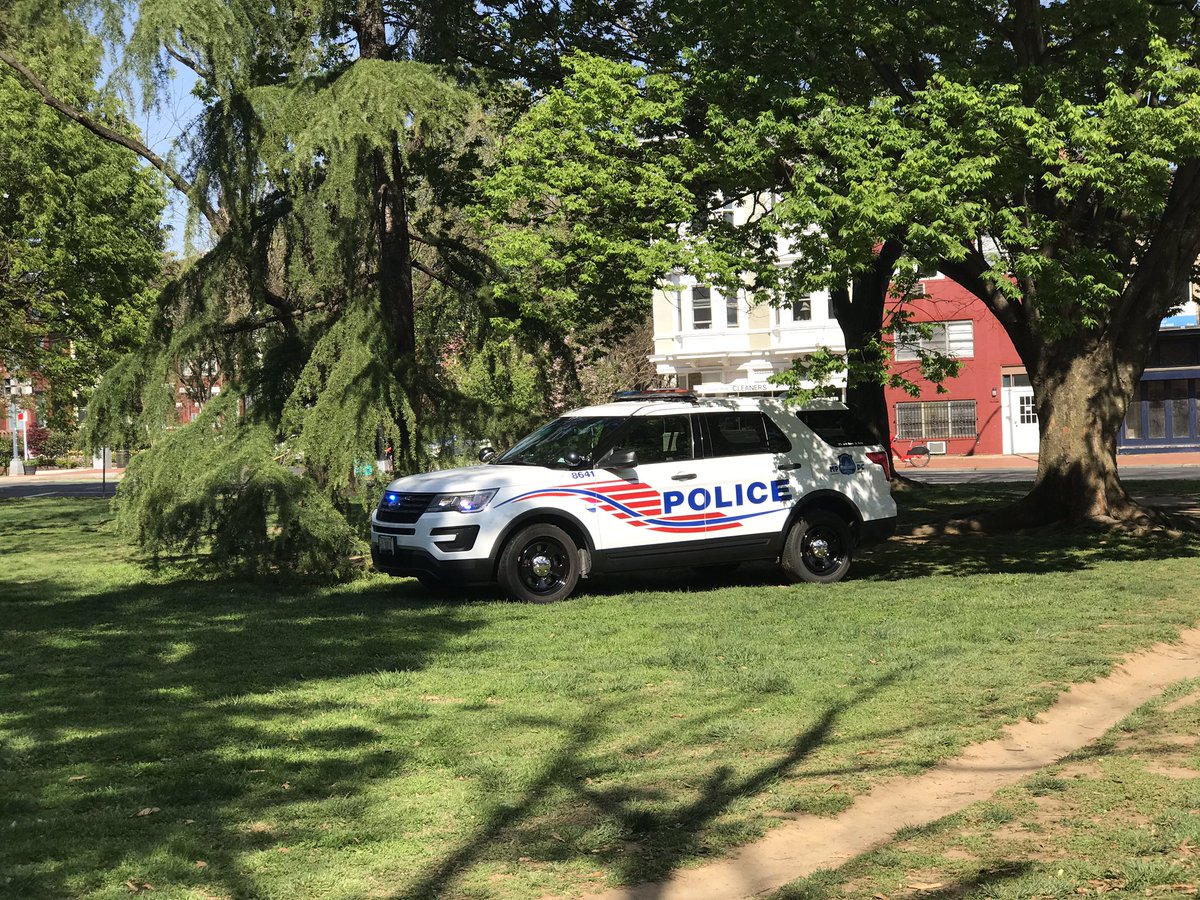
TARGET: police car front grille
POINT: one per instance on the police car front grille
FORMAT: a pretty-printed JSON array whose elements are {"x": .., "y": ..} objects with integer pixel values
[{"x": 409, "y": 509}]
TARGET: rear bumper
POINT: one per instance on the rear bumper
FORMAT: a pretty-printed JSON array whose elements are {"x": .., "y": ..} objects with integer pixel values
[{"x": 876, "y": 531}]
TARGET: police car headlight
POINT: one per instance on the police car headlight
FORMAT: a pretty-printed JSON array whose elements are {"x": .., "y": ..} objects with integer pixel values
[{"x": 464, "y": 503}]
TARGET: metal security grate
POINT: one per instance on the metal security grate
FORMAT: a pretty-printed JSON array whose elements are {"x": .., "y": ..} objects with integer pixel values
[
  {"x": 408, "y": 510},
  {"x": 937, "y": 419}
]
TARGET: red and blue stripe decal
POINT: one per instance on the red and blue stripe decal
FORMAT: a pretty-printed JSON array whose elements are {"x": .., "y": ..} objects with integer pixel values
[{"x": 641, "y": 506}]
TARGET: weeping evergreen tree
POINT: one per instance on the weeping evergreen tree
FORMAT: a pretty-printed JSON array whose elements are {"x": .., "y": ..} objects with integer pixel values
[
  {"x": 329, "y": 164},
  {"x": 338, "y": 145}
]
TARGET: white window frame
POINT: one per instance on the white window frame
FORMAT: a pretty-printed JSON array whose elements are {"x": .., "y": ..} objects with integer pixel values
[{"x": 954, "y": 338}]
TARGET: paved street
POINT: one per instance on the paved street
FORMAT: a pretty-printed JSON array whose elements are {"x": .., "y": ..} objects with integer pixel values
[
  {"x": 77, "y": 483},
  {"x": 941, "y": 470},
  {"x": 991, "y": 476}
]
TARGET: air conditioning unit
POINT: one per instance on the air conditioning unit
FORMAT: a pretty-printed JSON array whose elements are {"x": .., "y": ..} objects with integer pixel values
[{"x": 936, "y": 448}]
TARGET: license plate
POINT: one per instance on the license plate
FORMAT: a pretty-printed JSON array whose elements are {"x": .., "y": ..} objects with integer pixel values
[{"x": 387, "y": 543}]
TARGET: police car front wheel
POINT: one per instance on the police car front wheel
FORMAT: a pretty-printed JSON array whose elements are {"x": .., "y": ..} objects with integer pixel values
[
  {"x": 818, "y": 548},
  {"x": 540, "y": 564}
]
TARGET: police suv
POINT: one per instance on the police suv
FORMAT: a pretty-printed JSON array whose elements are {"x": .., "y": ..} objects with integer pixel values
[{"x": 651, "y": 480}]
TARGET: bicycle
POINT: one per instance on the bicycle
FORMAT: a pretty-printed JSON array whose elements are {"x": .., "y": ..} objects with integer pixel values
[{"x": 917, "y": 455}]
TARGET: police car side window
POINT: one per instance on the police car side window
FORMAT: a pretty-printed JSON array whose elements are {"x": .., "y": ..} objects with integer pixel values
[
  {"x": 743, "y": 434},
  {"x": 658, "y": 438}
]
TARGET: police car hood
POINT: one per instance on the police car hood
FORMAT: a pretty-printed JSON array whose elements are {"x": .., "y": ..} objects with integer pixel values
[{"x": 479, "y": 478}]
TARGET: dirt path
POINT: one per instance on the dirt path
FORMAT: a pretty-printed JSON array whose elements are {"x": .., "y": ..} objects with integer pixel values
[{"x": 808, "y": 843}]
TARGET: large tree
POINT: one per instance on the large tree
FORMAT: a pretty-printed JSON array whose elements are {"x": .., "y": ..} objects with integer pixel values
[
  {"x": 1045, "y": 155},
  {"x": 335, "y": 149},
  {"x": 80, "y": 241}
]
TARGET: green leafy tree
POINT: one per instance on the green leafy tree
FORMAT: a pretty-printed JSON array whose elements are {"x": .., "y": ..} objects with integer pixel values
[
  {"x": 1042, "y": 154},
  {"x": 581, "y": 209},
  {"x": 80, "y": 242},
  {"x": 327, "y": 161}
]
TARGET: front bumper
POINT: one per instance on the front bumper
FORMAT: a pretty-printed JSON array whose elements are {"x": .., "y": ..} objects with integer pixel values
[
  {"x": 441, "y": 550},
  {"x": 411, "y": 562}
]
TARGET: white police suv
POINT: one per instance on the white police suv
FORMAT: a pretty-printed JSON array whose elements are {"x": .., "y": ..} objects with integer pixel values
[{"x": 651, "y": 480}]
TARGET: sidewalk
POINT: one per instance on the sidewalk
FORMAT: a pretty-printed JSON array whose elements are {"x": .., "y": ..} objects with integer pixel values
[
  {"x": 111, "y": 474},
  {"x": 1124, "y": 461}
]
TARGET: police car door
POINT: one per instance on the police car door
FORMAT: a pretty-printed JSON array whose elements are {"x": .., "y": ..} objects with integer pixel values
[
  {"x": 742, "y": 488},
  {"x": 631, "y": 516}
]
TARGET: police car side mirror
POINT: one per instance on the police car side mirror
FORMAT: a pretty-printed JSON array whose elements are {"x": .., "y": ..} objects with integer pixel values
[
  {"x": 486, "y": 454},
  {"x": 618, "y": 459}
]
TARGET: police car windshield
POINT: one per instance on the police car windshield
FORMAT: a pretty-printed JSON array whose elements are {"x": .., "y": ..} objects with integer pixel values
[{"x": 551, "y": 444}]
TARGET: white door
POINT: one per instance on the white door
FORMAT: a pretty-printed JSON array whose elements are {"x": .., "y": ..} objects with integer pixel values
[
  {"x": 646, "y": 506},
  {"x": 1019, "y": 416}
]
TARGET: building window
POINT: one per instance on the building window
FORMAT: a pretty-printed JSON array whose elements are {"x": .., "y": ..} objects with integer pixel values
[
  {"x": 1164, "y": 410},
  {"x": 701, "y": 307},
  {"x": 1027, "y": 415},
  {"x": 694, "y": 380},
  {"x": 832, "y": 310},
  {"x": 802, "y": 309},
  {"x": 936, "y": 420},
  {"x": 731, "y": 312},
  {"x": 955, "y": 339},
  {"x": 1133, "y": 417}
]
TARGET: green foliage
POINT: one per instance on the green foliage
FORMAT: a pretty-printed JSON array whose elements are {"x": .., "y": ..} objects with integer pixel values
[
  {"x": 582, "y": 209},
  {"x": 345, "y": 393},
  {"x": 508, "y": 386},
  {"x": 221, "y": 485},
  {"x": 336, "y": 180},
  {"x": 80, "y": 247}
]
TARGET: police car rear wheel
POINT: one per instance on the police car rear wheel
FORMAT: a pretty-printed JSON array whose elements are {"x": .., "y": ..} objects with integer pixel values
[
  {"x": 539, "y": 565},
  {"x": 818, "y": 548}
]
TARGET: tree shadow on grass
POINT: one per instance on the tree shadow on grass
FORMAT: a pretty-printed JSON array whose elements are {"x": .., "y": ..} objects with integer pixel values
[
  {"x": 929, "y": 543},
  {"x": 199, "y": 700},
  {"x": 653, "y": 841}
]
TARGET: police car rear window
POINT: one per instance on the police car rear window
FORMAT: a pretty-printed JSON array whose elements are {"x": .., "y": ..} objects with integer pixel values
[
  {"x": 837, "y": 427},
  {"x": 743, "y": 434}
]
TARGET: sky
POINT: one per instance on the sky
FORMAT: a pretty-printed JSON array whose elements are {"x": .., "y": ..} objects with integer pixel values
[{"x": 160, "y": 127}]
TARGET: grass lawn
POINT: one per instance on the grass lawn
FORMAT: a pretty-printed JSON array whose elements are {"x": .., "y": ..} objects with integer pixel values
[
  {"x": 290, "y": 740},
  {"x": 1118, "y": 818}
]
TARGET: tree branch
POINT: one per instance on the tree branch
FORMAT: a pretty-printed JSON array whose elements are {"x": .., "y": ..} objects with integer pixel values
[
  {"x": 976, "y": 274},
  {"x": 190, "y": 63},
  {"x": 887, "y": 74},
  {"x": 215, "y": 219}
]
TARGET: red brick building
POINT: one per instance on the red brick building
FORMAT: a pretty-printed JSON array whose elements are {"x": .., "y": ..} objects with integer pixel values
[{"x": 988, "y": 408}]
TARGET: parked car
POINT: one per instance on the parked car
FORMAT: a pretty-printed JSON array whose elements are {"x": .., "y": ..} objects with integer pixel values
[{"x": 651, "y": 480}]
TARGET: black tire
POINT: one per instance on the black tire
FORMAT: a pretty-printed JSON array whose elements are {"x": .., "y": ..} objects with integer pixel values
[
  {"x": 818, "y": 548},
  {"x": 919, "y": 457},
  {"x": 539, "y": 564}
]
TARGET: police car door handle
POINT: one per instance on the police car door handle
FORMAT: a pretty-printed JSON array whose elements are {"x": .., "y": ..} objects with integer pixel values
[
  {"x": 787, "y": 467},
  {"x": 683, "y": 476}
]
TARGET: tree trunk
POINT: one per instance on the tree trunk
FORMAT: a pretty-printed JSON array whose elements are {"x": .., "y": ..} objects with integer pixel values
[
  {"x": 397, "y": 305},
  {"x": 859, "y": 313},
  {"x": 1081, "y": 397}
]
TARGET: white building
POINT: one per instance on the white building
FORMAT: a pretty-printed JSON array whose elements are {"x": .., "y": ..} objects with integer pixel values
[{"x": 719, "y": 344}]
